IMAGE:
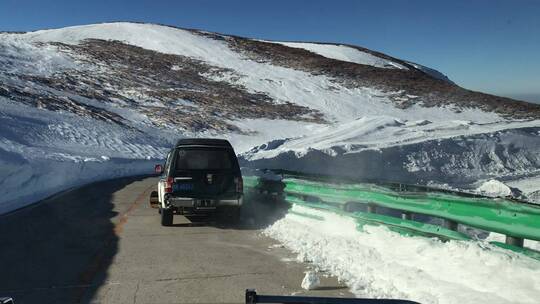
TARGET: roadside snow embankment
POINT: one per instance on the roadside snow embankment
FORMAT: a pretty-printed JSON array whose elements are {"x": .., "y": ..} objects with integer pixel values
[
  {"x": 379, "y": 263},
  {"x": 384, "y": 148},
  {"x": 494, "y": 188},
  {"x": 44, "y": 152},
  {"x": 26, "y": 181}
]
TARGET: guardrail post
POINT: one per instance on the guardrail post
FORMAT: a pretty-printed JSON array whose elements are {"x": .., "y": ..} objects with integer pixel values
[
  {"x": 514, "y": 241},
  {"x": 371, "y": 208},
  {"x": 452, "y": 225},
  {"x": 406, "y": 216}
]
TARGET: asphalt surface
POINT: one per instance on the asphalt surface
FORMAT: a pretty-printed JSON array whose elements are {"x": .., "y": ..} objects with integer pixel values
[{"x": 103, "y": 243}]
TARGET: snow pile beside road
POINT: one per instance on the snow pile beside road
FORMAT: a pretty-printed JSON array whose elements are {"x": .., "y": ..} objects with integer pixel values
[
  {"x": 30, "y": 180},
  {"x": 43, "y": 152},
  {"x": 529, "y": 186},
  {"x": 494, "y": 188},
  {"x": 311, "y": 281},
  {"x": 382, "y": 264},
  {"x": 376, "y": 132},
  {"x": 387, "y": 149}
]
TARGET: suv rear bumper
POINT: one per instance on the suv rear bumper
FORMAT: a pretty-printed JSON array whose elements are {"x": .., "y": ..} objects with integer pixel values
[{"x": 203, "y": 204}]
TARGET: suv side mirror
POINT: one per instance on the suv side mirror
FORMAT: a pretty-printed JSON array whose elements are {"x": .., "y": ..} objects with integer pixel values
[{"x": 158, "y": 169}]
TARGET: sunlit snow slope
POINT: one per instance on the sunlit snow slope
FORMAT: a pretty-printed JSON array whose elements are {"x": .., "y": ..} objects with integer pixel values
[
  {"x": 108, "y": 100},
  {"x": 346, "y": 53}
]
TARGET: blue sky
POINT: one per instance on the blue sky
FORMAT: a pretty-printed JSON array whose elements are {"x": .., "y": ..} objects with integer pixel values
[{"x": 491, "y": 46}]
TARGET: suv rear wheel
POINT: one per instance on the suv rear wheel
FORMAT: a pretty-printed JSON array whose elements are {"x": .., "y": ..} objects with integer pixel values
[{"x": 166, "y": 217}]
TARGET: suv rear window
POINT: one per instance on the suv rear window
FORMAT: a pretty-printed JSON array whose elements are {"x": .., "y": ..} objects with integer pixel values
[{"x": 203, "y": 159}]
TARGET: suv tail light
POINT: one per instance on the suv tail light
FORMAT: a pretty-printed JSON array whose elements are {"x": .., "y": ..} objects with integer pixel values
[
  {"x": 169, "y": 184},
  {"x": 239, "y": 184}
]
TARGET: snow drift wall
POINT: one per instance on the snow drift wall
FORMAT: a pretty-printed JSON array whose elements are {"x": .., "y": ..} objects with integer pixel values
[
  {"x": 457, "y": 161},
  {"x": 26, "y": 181}
]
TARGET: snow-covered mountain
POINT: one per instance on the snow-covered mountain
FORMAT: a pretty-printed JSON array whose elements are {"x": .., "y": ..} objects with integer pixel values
[{"x": 96, "y": 101}]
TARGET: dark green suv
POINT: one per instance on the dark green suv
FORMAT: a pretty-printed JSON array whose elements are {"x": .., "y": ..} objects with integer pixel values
[{"x": 200, "y": 175}]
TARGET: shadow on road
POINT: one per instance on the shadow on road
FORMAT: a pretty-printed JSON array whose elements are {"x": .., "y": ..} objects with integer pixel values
[
  {"x": 261, "y": 211},
  {"x": 258, "y": 212},
  {"x": 56, "y": 251}
]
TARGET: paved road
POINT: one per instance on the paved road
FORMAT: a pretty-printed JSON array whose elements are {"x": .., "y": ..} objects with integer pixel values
[{"x": 102, "y": 243}]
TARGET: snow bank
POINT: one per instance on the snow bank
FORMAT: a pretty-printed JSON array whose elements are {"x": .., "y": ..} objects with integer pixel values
[
  {"x": 310, "y": 281},
  {"x": 494, "y": 188},
  {"x": 529, "y": 187},
  {"x": 382, "y": 264},
  {"x": 376, "y": 155},
  {"x": 378, "y": 131},
  {"x": 43, "y": 152},
  {"x": 26, "y": 181}
]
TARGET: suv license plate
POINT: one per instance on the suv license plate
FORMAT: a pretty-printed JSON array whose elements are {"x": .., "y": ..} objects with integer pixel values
[
  {"x": 205, "y": 203},
  {"x": 182, "y": 187}
]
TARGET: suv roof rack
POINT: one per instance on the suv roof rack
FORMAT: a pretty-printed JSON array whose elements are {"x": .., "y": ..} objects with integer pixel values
[{"x": 203, "y": 142}]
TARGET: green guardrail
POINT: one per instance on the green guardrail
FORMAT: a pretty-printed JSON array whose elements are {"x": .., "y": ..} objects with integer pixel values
[
  {"x": 402, "y": 226},
  {"x": 518, "y": 221},
  {"x": 499, "y": 215}
]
